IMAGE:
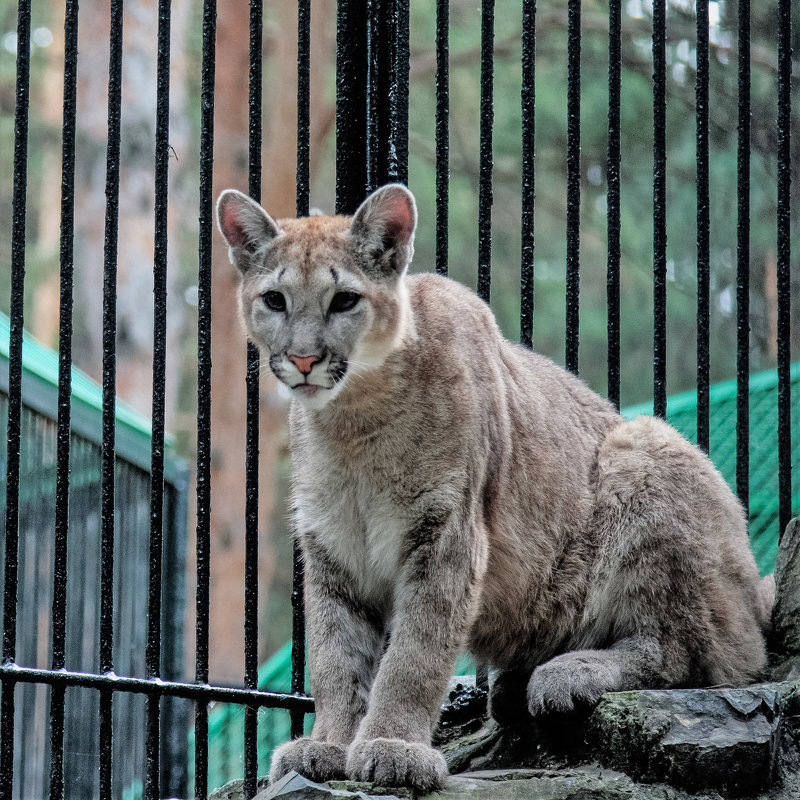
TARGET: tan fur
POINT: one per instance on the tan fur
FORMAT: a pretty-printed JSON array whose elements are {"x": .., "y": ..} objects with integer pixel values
[{"x": 454, "y": 490}]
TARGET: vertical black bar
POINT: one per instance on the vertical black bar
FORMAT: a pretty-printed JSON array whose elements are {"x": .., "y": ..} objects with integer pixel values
[
  {"x": 252, "y": 425},
  {"x": 251, "y": 572},
  {"x": 109, "y": 392},
  {"x": 7, "y": 739},
  {"x": 743, "y": 264},
  {"x": 528, "y": 97},
  {"x": 14, "y": 392},
  {"x": 398, "y": 92},
  {"x": 573, "y": 181},
  {"x": 303, "y": 139},
  {"x": 175, "y": 713},
  {"x": 303, "y": 105},
  {"x": 387, "y": 79},
  {"x": 201, "y": 751},
  {"x": 375, "y": 131},
  {"x": 106, "y": 742},
  {"x": 109, "y": 334},
  {"x": 57, "y": 698},
  {"x": 784, "y": 262},
  {"x": 659, "y": 210},
  {"x": 19, "y": 207},
  {"x": 153, "y": 653},
  {"x": 442, "y": 133},
  {"x": 65, "y": 333},
  {"x": 255, "y": 98},
  {"x": 64, "y": 394},
  {"x": 485, "y": 194},
  {"x": 703, "y": 229},
  {"x": 351, "y": 106},
  {"x": 613, "y": 196},
  {"x": 203, "y": 482},
  {"x": 298, "y": 641}
]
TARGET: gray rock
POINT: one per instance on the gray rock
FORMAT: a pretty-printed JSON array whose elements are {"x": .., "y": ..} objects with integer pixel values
[
  {"x": 460, "y": 753},
  {"x": 512, "y": 784},
  {"x": 786, "y": 611},
  {"x": 786, "y": 670},
  {"x": 555, "y": 741},
  {"x": 458, "y": 682},
  {"x": 582, "y": 783},
  {"x": 233, "y": 790},
  {"x": 296, "y": 787},
  {"x": 463, "y": 713},
  {"x": 719, "y": 739}
]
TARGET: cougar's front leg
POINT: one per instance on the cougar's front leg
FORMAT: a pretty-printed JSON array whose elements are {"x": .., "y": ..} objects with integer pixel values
[
  {"x": 345, "y": 638},
  {"x": 434, "y": 606}
]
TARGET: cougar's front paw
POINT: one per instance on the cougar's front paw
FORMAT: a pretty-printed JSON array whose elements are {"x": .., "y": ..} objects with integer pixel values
[
  {"x": 570, "y": 680},
  {"x": 317, "y": 761},
  {"x": 394, "y": 762}
]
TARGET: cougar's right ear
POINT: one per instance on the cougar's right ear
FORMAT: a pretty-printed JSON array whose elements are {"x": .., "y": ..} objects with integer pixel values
[
  {"x": 383, "y": 228},
  {"x": 245, "y": 226}
]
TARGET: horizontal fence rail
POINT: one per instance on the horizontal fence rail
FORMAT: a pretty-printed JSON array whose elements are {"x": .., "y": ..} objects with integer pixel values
[
  {"x": 99, "y": 549},
  {"x": 155, "y": 687}
]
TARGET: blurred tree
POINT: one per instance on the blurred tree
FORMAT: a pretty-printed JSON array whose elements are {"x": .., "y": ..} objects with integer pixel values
[{"x": 136, "y": 226}]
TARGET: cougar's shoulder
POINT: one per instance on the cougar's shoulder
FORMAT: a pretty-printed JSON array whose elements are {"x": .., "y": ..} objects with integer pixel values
[{"x": 445, "y": 308}]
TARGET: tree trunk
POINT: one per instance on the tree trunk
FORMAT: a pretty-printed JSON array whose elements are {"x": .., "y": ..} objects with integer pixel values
[{"x": 136, "y": 223}]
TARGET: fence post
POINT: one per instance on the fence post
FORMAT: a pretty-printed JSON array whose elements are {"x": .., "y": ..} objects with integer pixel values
[
  {"x": 371, "y": 63},
  {"x": 10, "y": 566}
]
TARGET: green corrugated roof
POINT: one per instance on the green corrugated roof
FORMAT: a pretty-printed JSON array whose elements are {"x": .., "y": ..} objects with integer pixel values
[
  {"x": 763, "y": 501},
  {"x": 40, "y": 392}
]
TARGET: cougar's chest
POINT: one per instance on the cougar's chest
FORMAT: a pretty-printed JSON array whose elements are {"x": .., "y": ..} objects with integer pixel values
[{"x": 353, "y": 511}]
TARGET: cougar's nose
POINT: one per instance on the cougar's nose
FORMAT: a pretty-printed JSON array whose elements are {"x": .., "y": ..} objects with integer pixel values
[{"x": 304, "y": 364}]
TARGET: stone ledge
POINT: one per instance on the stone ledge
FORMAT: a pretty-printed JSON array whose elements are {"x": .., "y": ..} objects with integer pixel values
[
  {"x": 720, "y": 739},
  {"x": 515, "y": 784},
  {"x": 659, "y": 745}
]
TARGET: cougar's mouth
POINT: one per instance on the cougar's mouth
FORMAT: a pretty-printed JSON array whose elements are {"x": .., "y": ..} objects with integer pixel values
[
  {"x": 331, "y": 381},
  {"x": 308, "y": 389}
]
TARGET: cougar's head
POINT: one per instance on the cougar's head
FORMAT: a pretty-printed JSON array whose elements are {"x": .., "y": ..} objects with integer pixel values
[{"x": 322, "y": 297}]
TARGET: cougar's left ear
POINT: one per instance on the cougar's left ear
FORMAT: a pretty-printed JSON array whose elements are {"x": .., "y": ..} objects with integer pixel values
[
  {"x": 383, "y": 229},
  {"x": 246, "y": 228}
]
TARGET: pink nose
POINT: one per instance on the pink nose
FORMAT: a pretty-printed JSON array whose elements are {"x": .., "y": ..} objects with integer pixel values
[{"x": 304, "y": 364}]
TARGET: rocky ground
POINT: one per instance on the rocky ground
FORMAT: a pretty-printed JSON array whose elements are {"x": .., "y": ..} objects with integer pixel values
[{"x": 642, "y": 745}]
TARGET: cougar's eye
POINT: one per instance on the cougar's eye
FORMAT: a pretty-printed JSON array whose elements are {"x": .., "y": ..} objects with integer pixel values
[
  {"x": 274, "y": 301},
  {"x": 344, "y": 301}
]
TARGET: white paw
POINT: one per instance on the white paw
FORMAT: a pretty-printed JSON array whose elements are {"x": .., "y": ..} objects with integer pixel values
[
  {"x": 394, "y": 762},
  {"x": 317, "y": 761}
]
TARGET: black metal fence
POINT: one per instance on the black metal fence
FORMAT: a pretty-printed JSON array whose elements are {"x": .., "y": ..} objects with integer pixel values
[
  {"x": 49, "y": 636},
  {"x": 372, "y": 147}
]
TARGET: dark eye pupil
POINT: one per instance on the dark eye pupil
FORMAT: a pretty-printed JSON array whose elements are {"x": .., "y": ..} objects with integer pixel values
[
  {"x": 344, "y": 301},
  {"x": 275, "y": 301}
]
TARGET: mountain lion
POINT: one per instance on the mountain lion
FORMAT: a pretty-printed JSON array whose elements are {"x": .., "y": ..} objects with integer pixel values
[{"x": 452, "y": 490}]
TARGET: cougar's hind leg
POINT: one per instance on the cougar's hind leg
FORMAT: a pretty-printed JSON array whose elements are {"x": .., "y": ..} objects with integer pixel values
[
  {"x": 507, "y": 696},
  {"x": 647, "y": 620}
]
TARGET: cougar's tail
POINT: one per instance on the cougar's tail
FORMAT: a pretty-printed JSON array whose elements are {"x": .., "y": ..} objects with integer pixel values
[{"x": 766, "y": 599}]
